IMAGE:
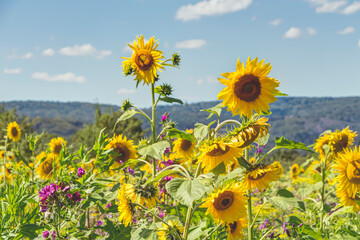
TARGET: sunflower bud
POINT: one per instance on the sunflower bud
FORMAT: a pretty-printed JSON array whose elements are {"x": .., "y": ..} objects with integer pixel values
[
  {"x": 128, "y": 70},
  {"x": 165, "y": 89},
  {"x": 175, "y": 58},
  {"x": 126, "y": 105}
]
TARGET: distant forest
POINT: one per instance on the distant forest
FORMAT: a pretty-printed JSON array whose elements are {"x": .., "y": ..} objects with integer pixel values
[{"x": 297, "y": 118}]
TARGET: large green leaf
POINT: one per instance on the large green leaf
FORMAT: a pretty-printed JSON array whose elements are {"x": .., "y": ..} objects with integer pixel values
[
  {"x": 219, "y": 169},
  {"x": 214, "y": 110},
  {"x": 175, "y": 133},
  {"x": 285, "y": 199},
  {"x": 154, "y": 150},
  {"x": 171, "y": 100},
  {"x": 186, "y": 191},
  {"x": 126, "y": 115},
  {"x": 163, "y": 174},
  {"x": 200, "y": 131},
  {"x": 288, "y": 144}
]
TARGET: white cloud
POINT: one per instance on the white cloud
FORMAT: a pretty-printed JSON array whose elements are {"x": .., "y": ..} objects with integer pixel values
[
  {"x": 253, "y": 18},
  {"x": 48, "y": 52},
  {"x": 209, "y": 79},
  {"x": 328, "y": 7},
  {"x": 293, "y": 32},
  {"x": 353, "y": 8},
  {"x": 52, "y": 38},
  {"x": 27, "y": 56},
  {"x": 66, "y": 77},
  {"x": 200, "y": 81},
  {"x": 359, "y": 43},
  {"x": 84, "y": 50},
  {"x": 210, "y": 8},
  {"x": 276, "y": 22},
  {"x": 191, "y": 44},
  {"x": 103, "y": 53},
  {"x": 311, "y": 31},
  {"x": 12, "y": 71},
  {"x": 125, "y": 91},
  {"x": 346, "y": 30}
]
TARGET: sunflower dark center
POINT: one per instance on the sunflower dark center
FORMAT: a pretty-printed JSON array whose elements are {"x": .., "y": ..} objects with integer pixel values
[
  {"x": 258, "y": 176},
  {"x": 294, "y": 170},
  {"x": 353, "y": 172},
  {"x": 144, "y": 60},
  {"x": 14, "y": 131},
  {"x": 224, "y": 200},
  {"x": 186, "y": 144},
  {"x": 341, "y": 144},
  {"x": 47, "y": 167},
  {"x": 123, "y": 152},
  {"x": 247, "y": 88},
  {"x": 218, "y": 151},
  {"x": 233, "y": 226},
  {"x": 57, "y": 148}
]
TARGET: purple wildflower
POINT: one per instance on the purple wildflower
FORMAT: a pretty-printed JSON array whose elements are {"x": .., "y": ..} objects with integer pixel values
[
  {"x": 300, "y": 224},
  {"x": 264, "y": 225},
  {"x": 46, "y": 234},
  {"x": 161, "y": 214},
  {"x": 287, "y": 231},
  {"x": 80, "y": 172},
  {"x": 164, "y": 117},
  {"x": 109, "y": 205},
  {"x": 99, "y": 223},
  {"x": 53, "y": 235},
  {"x": 76, "y": 197},
  {"x": 167, "y": 150}
]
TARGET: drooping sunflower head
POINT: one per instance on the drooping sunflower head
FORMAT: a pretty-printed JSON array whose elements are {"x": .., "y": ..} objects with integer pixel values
[
  {"x": 145, "y": 60},
  {"x": 47, "y": 167},
  {"x": 166, "y": 234},
  {"x": 124, "y": 149},
  {"x": 235, "y": 229},
  {"x": 262, "y": 175},
  {"x": 227, "y": 204},
  {"x": 348, "y": 166},
  {"x": 245, "y": 135},
  {"x": 144, "y": 195},
  {"x": 294, "y": 171},
  {"x": 248, "y": 89},
  {"x": 125, "y": 208},
  {"x": 216, "y": 151},
  {"x": 56, "y": 144},
  {"x": 184, "y": 148},
  {"x": 13, "y": 131},
  {"x": 347, "y": 199}
]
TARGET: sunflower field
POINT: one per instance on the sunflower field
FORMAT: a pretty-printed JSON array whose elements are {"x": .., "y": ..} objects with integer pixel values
[{"x": 214, "y": 181}]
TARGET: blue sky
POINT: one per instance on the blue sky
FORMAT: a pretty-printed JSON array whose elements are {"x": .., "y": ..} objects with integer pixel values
[{"x": 70, "y": 50}]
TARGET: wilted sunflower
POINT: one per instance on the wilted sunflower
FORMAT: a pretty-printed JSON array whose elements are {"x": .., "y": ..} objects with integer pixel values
[
  {"x": 126, "y": 210},
  {"x": 245, "y": 135},
  {"x": 56, "y": 144},
  {"x": 348, "y": 166},
  {"x": 184, "y": 148},
  {"x": 217, "y": 151},
  {"x": 294, "y": 172},
  {"x": 227, "y": 204},
  {"x": 235, "y": 230},
  {"x": 337, "y": 141},
  {"x": 13, "y": 131},
  {"x": 261, "y": 176},
  {"x": 248, "y": 88},
  {"x": 347, "y": 200},
  {"x": 166, "y": 233},
  {"x": 145, "y": 60},
  {"x": 144, "y": 195},
  {"x": 46, "y": 168},
  {"x": 125, "y": 149}
]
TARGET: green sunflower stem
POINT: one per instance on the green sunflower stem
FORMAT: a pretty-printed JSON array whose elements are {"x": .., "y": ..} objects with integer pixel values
[
  {"x": 4, "y": 160},
  {"x": 323, "y": 178},
  {"x": 250, "y": 223},
  {"x": 153, "y": 124}
]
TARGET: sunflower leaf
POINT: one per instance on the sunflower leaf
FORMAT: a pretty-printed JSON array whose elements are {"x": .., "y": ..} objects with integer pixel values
[
  {"x": 163, "y": 174},
  {"x": 280, "y": 94},
  {"x": 288, "y": 144},
  {"x": 126, "y": 115},
  {"x": 175, "y": 133},
  {"x": 219, "y": 169},
  {"x": 154, "y": 150},
  {"x": 171, "y": 100},
  {"x": 214, "y": 110},
  {"x": 200, "y": 131},
  {"x": 186, "y": 191}
]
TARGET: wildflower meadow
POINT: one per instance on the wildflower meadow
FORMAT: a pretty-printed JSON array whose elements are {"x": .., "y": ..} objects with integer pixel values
[{"x": 213, "y": 181}]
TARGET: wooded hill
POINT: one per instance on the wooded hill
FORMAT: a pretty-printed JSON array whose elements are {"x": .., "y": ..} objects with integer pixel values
[{"x": 297, "y": 118}]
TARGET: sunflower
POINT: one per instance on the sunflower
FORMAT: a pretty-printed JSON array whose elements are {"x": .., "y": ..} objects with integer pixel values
[
  {"x": 242, "y": 137},
  {"x": 8, "y": 173},
  {"x": 13, "y": 131},
  {"x": 2, "y": 154},
  {"x": 165, "y": 233},
  {"x": 46, "y": 168},
  {"x": 348, "y": 167},
  {"x": 337, "y": 141},
  {"x": 262, "y": 175},
  {"x": 216, "y": 151},
  {"x": 56, "y": 144},
  {"x": 10, "y": 156},
  {"x": 347, "y": 200},
  {"x": 123, "y": 148},
  {"x": 145, "y": 60},
  {"x": 227, "y": 204},
  {"x": 294, "y": 172},
  {"x": 248, "y": 88},
  {"x": 235, "y": 229},
  {"x": 143, "y": 195},
  {"x": 184, "y": 148},
  {"x": 126, "y": 210}
]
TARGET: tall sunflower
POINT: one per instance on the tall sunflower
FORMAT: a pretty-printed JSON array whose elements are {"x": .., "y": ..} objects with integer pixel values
[
  {"x": 46, "y": 168},
  {"x": 248, "y": 88},
  {"x": 347, "y": 200},
  {"x": 262, "y": 175},
  {"x": 235, "y": 229},
  {"x": 245, "y": 135},
  {"x": 56, "y": 144},
  {"x": 348, "y": 166},
  {"x": 227, "y": 204},
  {"x": 124, "y": 149},
  {"x": 13, "y": 131},
  {"x": 145, "y": 60},
  {"x": 184, "y": 148},
  {"x": 125, "y": 208},
  {"x": 165, "y": 233},
  {"x": 294, "y": 171},
  {"x": 216, "y": 151},
  {"x": 144, "y": 195}
]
